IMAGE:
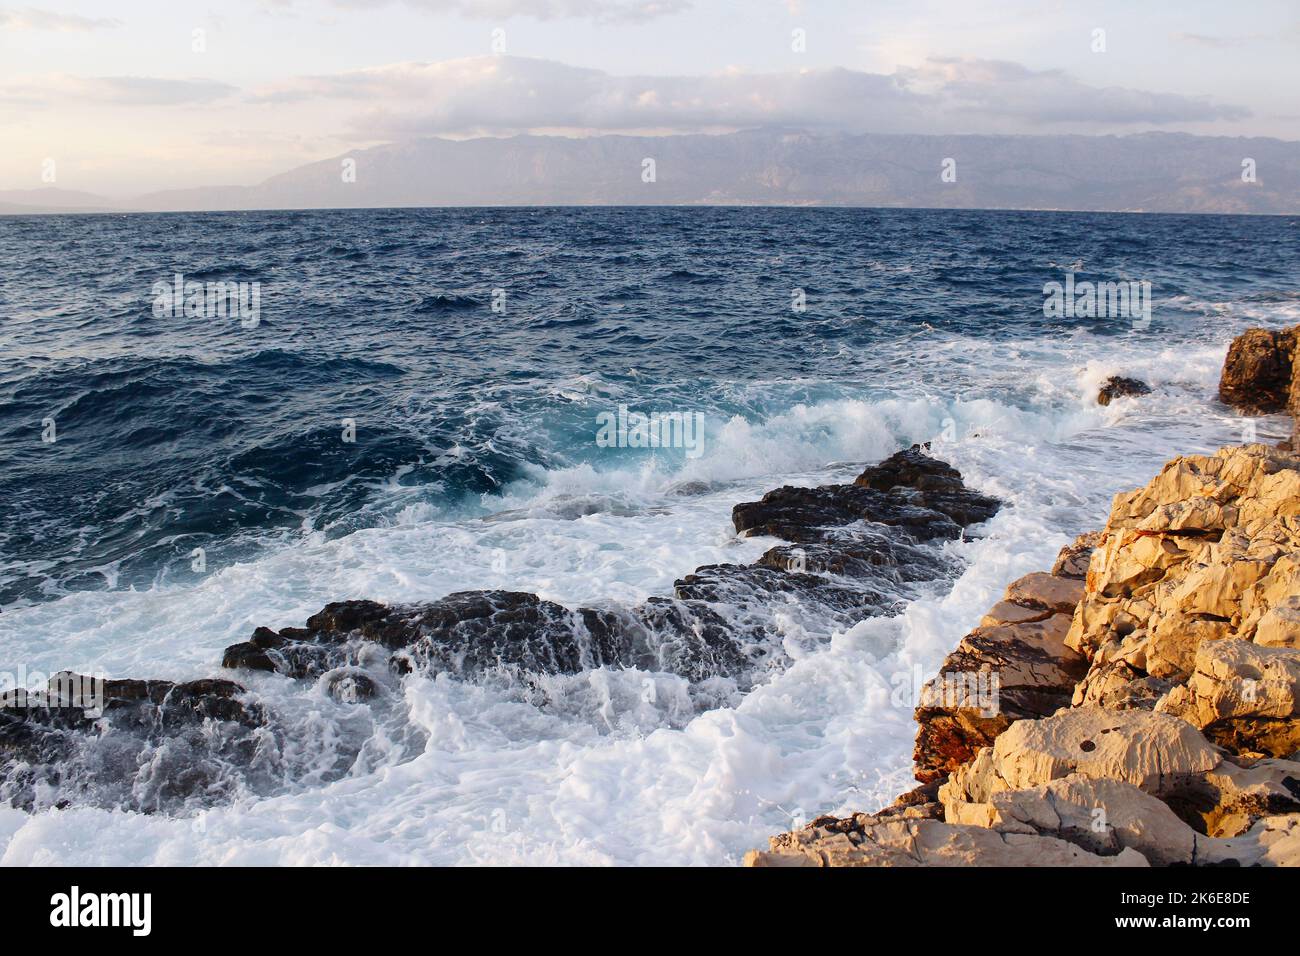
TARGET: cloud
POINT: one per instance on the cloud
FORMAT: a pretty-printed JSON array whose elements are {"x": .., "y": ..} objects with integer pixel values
[
  {"x": 113, "y": 90},
  {"x": 505, "y": 95},
  {"x": 30, "y": 18},
  {"x": 1215, "y": 43},
  {"x": 599, "y": 11},
  {"x": 1045, "y": 97}
]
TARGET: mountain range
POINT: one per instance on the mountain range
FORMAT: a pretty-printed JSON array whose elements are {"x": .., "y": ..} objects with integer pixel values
[{"x": 1144, "y": 172}]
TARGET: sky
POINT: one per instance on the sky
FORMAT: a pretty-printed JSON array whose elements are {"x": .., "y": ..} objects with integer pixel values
[{"x": 121, "y": 97}]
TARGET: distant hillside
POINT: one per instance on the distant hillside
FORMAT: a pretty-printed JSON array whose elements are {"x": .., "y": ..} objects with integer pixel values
[
  {"x": 1152, "y": 172},
  {"x": 26, "y": 202}
]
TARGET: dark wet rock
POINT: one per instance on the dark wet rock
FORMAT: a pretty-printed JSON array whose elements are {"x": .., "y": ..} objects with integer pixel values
[
  {"x": 864, "y": 540},
  {"x": 250, "y": 655},
  {"x": 737, "y": 585},
  {"x": 297, "y": 652},
  {"x": 1257, "y": 371},
  {"x": 350, "y": 686},
  {"x": 71, "y": 699},
  {"x": 689, "y": 489},
  {"x": 1117, "y": 386},
  {"x": 806, "y": 514},
  {"x": 688, "y": 638},
  {"x": 463, "y": 633},
  {"x": 863, "y": 552},
  {"x": 608, "y": 635},
  {"x": 160, "y": 745},
  {"x": 135, "y": 744},
  {"x": 909, "y": 491},
  {"x": 474, "y": 630},
  {"x": 911, "y": 468}
]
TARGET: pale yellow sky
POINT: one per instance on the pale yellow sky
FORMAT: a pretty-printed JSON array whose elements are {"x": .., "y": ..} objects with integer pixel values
[{"x": 128, "y": 96}]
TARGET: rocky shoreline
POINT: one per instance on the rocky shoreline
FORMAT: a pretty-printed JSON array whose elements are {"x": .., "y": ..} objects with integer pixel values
[
  {"x": 1148, "y": 687},
  {"x": 1134, "y": 705},
  {"x": 854, "y": 551}
]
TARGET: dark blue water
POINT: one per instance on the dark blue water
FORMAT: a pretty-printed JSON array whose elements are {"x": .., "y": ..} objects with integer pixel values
[{"x": 180, "y": 433}]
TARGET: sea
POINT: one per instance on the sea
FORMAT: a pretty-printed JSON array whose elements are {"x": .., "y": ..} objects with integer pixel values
[{"x": 399, "y": 404}]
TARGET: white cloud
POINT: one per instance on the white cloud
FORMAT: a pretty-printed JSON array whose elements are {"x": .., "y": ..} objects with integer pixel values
[
  {"x": 599, "y": 11},
  {"x": 112, "y": 90},
  {"x": 30, "y": 18},
  {"x": 503, "y": 95},
  {"x": 998, "y": 88}
]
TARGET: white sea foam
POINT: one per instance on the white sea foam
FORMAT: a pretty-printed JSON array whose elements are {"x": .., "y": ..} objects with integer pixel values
[{"x": 594, "y": 773}]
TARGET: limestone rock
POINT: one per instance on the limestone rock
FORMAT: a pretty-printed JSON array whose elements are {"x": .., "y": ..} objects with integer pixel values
[
  {"x": 927, "y": 843},
  {"x": 1100, "y": 815},
  {"x": 1161, "y": 723},
  {"x": 1157, "y": 754},
  {"x": 1203, "y": 553},
  {"x": 1049, "y": 592},
  {"x": 1106, "y": 817},
  {"x": 1273, "y": 841},
  {"x": 1279, "y": 626},
  {"x": 1073, "y": 559},
  {"x": 1243, "y": 696},
  {"x": 1153, "y": 752},
  {"x": 1014, "y": 666},
  {"x": 1236, "y": 794}
]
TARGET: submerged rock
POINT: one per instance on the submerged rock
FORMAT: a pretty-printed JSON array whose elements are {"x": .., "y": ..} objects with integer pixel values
[
  {"x": 739, "y": 585},
  {"x": 78, "y": 700},
  {"x": 132, "y": 744},
  {"x": 863, "y": 552},
  {"x": 689, "y": 638},
  {"x": 1117, "y": 386}
]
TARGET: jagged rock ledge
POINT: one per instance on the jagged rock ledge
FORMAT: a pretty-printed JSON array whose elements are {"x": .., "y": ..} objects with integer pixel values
[
  {"x": 854, "y": 551},
  {"x": 1148, "y": 688},
  {"x": 850, "y": 538}
]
